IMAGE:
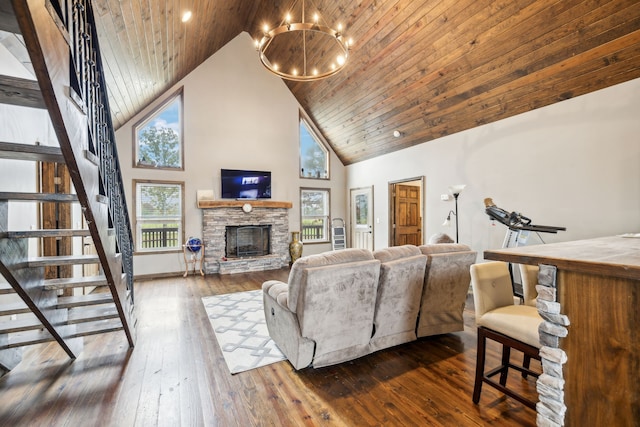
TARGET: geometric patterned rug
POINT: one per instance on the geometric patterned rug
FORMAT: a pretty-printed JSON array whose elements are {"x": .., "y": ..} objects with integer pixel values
[{"x": 238, "y": 321}]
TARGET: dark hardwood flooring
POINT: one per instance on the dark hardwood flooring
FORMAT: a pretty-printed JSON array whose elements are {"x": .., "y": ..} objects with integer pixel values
[{"x": 176, "y": 376}]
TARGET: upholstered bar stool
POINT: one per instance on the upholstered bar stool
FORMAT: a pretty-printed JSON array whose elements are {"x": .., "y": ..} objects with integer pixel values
[
  {"x": 529, "y": 276},
  {"x": 499, "y": 319}
]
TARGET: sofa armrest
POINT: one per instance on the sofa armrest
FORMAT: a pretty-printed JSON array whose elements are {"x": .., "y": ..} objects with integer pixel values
[
  {"x": 283, "y": 325},
  {"x": 278, "y": 290}
]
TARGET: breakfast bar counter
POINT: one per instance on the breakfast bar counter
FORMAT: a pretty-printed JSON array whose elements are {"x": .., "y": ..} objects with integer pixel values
[{"x": 596, "y": 287}]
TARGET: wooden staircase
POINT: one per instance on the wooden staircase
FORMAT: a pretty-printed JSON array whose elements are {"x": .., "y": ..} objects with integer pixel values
[{"x": 63, "y": 49}]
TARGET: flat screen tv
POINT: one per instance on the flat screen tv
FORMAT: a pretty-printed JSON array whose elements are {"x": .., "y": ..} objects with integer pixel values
[{"x": 245, "y": 184}]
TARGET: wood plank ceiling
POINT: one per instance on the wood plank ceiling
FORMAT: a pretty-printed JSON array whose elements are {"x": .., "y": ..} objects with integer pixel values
[{"x": 426, "y": 68}]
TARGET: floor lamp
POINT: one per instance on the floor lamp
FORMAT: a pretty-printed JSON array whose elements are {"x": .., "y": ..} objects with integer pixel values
[{"x": 455, "y": 190}]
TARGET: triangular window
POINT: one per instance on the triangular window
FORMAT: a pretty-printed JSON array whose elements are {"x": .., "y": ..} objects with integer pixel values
[
  {"x": 158, "y": 137},
  {"x": 314, "y": 156}
]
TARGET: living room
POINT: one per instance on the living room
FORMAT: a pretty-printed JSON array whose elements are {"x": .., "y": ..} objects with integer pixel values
[
  {"x": 569, "y": 164},
  {"x": 550, "y": 164}
]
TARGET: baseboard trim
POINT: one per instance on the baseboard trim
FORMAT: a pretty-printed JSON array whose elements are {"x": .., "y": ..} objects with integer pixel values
[{"x": 154, "y": 276}]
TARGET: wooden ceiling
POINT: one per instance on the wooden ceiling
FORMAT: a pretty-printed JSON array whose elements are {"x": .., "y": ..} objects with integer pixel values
[{"x": 426, "y": 68}]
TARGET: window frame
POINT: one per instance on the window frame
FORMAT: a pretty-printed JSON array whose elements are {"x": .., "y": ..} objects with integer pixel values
[
  {"x": 137, "y": 221},
  {"x": 327, "y": 215},
  {"x": 319, "y": 139},
  {"x": 148, "y": 118}
]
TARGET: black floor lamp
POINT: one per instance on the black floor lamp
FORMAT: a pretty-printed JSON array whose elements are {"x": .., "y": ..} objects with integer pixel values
[{"x": 455, "y": 190}]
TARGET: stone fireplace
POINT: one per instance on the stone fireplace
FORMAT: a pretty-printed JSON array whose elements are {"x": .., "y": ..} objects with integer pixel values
[{"x": 266, "y": 225}]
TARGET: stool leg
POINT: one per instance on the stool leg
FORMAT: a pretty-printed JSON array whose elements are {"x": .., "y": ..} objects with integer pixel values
[
  {"x": 482, "y": 344},
  {"x": 506, "y": 355}
]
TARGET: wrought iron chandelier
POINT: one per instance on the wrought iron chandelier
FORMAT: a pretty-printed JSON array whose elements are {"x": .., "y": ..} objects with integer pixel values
[{"x": 305, "y": 50}]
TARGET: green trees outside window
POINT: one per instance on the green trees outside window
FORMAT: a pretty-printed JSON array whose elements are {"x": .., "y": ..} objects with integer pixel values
[
  {"x": 314, "y": 209},
  {"x": 158, "y": 137},
  {"x": 159, "y": 215},
  {"x": 314, "y": 157}
]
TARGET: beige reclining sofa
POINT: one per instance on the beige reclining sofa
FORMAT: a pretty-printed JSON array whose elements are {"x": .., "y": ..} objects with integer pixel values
[{"x": 342, "y": 305}]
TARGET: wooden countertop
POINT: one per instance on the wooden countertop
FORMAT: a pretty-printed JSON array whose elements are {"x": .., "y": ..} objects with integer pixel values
[
  {"x": 212, "y": 204},
  {"x": 614, "y": 256}
]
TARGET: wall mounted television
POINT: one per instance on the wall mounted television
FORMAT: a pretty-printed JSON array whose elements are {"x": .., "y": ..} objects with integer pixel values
[{"x": 245, "y": 184}]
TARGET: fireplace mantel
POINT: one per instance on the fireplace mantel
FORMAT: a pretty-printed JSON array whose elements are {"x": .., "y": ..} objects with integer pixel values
[{"x": 213, "y": 204}]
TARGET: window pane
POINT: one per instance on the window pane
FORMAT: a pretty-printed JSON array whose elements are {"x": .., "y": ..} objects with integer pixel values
[
  {"x": 313, "y": 203},
  {"x": 314, "y": 157},
  {"x": 159, "y": 138},
  {"x": 314, "y": 215},
  {"x": 159, "y": 235},
  {"x": 159, "y": 216},
  {"x": 159, "y": 201}
]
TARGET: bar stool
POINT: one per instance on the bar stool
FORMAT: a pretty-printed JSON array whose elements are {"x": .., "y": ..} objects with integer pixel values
[
  {"x": 529, "y": 276},
  {"x": 499, "y": 319}
]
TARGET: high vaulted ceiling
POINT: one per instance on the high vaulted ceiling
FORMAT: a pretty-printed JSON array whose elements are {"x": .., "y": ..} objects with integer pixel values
[{"x": 426, "y": 68}]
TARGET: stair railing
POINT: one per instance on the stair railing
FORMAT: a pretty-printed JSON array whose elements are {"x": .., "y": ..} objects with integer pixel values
[
  {"x": 61, "y": 35},
  {"x": 90, "y": 86}
]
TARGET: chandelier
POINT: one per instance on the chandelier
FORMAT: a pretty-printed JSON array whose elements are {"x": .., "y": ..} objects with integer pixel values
[{"x": 304, "y": 50}]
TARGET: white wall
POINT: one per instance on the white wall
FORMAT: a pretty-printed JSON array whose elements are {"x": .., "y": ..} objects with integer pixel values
[
  {"x": 237, "y": 116},
  {"x": 574, "y": 164}
]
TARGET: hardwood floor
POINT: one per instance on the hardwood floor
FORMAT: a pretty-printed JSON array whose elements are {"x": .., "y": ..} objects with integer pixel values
[{"x": 176, "y": 376}]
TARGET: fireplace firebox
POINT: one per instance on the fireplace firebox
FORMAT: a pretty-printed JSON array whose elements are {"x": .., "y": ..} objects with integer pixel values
[{"x": 247, "y": 241}]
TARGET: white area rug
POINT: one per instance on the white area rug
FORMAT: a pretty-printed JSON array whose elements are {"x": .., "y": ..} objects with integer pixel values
[{"x": 238, "y": 321}]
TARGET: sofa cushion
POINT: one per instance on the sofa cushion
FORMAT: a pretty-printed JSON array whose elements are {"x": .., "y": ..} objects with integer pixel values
[
  {"x": 398, "y": 300},
  {"x": 438, "y": 248},
  {"x": 396, "y": 252},
  {"x": 319, "y": 260},
  {"x": 446, "y": 284}
]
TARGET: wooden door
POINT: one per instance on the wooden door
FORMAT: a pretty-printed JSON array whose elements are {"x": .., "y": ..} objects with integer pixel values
[
  {"x": 408, "y": 219},
  {"x": 55, "y": 178}
]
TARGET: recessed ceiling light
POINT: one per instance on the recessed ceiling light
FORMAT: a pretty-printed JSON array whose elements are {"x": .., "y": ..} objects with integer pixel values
[{"x": 186, "y": 16}]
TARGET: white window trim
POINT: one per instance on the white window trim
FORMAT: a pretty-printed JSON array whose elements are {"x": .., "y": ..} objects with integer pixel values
[
  {"x": 319, "y": 139},
  {"x": 138, "y": 221},
  {"x": 179, "y": 94}
]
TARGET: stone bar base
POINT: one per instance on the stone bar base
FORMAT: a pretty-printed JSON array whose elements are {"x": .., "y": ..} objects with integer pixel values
[{"x": 551, "y": 407}]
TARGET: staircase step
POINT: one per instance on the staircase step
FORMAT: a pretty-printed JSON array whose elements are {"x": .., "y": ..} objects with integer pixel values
[
  {"x": 14, "y": 308},
  {"x": 91, "y": 314},
  {"x": 22, "y": 92},
  {"x": 27, "y": 338},
  {"x": 45, "y": 153},
  {"x": 99, "y": 327},
  {"x": 45, "y": 233},
  {"x": 75, "y": 282},
  {"x": 84, "y": 300},
  {"x": 6, "y": 289},
  {"x": 8, "y": 21},
  {"x": 46, "y": 261},
  {"x": 39, "y": 197},
  {"x": 20, "y": 325}
]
